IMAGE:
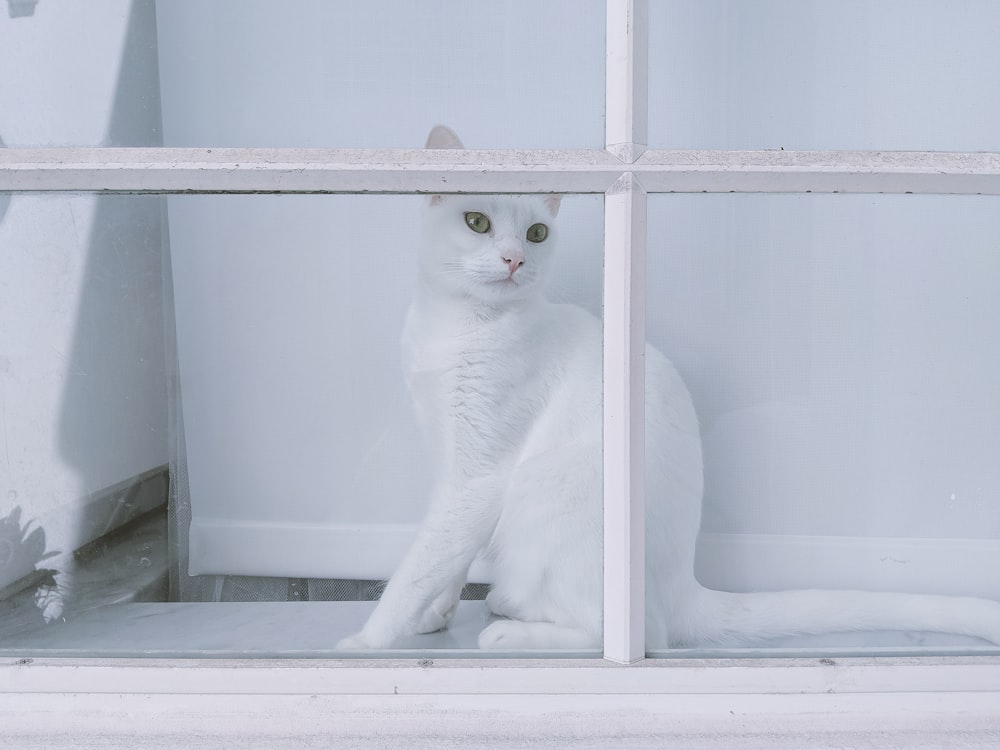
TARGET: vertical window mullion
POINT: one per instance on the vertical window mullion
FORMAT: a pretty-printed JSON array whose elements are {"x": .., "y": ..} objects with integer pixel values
[
  {"x": 624, "y": 338},
  {"x": 626, "y": 96}
]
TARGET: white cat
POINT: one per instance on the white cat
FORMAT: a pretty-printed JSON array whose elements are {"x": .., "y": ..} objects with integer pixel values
[{"x": 507, "y": 386}]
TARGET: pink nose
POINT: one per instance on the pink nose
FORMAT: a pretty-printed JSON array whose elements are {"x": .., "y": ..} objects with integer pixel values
[{"x": 513, "y": 258}]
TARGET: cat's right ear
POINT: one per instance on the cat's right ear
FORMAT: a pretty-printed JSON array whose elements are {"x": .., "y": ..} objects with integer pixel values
[{"x": 441, "y": 136}]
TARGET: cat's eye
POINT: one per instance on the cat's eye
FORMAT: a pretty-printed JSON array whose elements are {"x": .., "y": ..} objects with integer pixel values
[
  {"x": 537, "y": 233},
  {"x": 477, "y": 222}
]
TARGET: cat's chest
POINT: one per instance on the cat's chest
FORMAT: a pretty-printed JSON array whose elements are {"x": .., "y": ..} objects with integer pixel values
[
  {"x": 466, "y": 367},
  {"x": 479, "y": 384}
]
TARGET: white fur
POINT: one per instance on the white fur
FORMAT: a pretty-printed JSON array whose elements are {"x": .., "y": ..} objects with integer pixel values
[{"x": 508, "y": 389}]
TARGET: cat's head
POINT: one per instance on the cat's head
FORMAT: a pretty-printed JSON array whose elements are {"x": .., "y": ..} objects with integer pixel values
[{"x": 492, "y": 248}]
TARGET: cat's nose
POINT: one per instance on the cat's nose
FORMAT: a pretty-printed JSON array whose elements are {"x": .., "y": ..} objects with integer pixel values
[{"x": 513, "y": 258}]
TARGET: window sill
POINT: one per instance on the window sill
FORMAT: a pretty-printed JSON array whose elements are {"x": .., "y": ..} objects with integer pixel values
[{"x": 724, "y": 703}]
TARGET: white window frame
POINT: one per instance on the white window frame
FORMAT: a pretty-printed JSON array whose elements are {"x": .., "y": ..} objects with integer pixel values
[{"x": 748, "y": 702}]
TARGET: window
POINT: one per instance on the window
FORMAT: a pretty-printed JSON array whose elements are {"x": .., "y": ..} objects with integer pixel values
[{"x": 651, "y": 196}]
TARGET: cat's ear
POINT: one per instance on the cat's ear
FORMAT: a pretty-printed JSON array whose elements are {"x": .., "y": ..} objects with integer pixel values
[
  {"x": 552, "y": 202},
  {"x": 442, "y": 136}
]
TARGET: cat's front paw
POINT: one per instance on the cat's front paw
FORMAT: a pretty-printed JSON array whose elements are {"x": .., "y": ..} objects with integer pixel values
[
  {"x": 364, "y": 641},
  {"x": 434, "y": 618},
  {"x": 356, "y": 642}
]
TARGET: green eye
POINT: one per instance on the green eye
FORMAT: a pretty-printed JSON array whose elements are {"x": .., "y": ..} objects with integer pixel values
[
  {"x": 537, "y": 233},
  {"x": 477, "y": 222}
]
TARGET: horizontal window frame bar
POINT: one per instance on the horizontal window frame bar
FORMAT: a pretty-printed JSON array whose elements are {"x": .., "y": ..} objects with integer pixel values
[
  {"x": 395, "y": 171},
  {"x": 672, "y": 676}
]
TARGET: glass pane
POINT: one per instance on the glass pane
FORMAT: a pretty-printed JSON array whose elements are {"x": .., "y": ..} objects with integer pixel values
[
  {"x": 841, "y": 358},
  {"x": 816, "y": 74},
  {"x": 314, "y": 73},
  {"x": 257, "y": 366}
]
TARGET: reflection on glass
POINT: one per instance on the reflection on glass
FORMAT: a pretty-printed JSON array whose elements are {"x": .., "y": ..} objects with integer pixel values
[
  {"x": 824, "y": 74},
  {"x": 840, "y": 354},
  {"x": 270, "y": 393}
]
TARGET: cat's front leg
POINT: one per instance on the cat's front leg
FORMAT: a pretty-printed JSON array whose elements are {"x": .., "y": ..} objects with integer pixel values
[
  {"x": 422, "y": 593},
  {"x": 406, "y": 607}
]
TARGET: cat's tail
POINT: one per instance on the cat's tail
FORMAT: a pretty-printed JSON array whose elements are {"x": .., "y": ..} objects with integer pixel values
[{"x": 723, "y": 618}]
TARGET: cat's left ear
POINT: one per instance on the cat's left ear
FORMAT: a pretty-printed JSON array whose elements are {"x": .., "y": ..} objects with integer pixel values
[{"x": 552, "y": 202}]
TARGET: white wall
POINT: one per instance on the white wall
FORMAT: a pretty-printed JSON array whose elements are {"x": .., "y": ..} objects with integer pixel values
[
  {"x": 841, "y": 349},
  {"x": 381, "y": 73},
  {"x": 843, "y": 356},
  {"x": 81, "y": 310},
  {"x": 818, "y": 74}
]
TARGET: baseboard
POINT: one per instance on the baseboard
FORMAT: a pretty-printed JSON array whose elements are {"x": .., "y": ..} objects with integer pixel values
[
  {"x": 362, "y": 551},
  {"x": 122, "y": 503},
  {"x": 755, "y": 562},
  {"x": 732, "y": 562}
]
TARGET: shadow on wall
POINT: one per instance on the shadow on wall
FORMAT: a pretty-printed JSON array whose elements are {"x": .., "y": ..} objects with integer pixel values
[
  {"x": 113, "y": 424},
  {"x": 113, "y": 418}
]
